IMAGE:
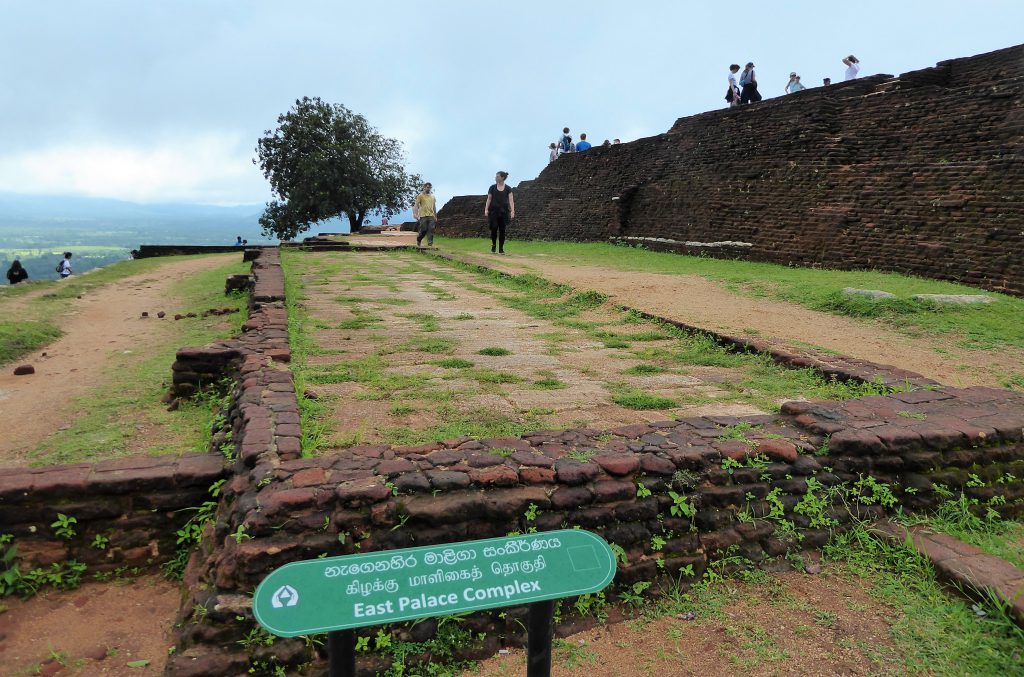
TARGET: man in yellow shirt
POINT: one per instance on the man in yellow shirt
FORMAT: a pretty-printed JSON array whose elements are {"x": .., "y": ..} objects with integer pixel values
[{"x": 425, "y": 211}]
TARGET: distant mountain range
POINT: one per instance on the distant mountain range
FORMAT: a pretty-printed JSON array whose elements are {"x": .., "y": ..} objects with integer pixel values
[
  {"x": 48, "y": 207},
  {"x": 17, "y": 207}
]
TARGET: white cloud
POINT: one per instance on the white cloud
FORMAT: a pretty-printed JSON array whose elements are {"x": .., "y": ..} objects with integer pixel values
[{"x": 215, "y": 169}]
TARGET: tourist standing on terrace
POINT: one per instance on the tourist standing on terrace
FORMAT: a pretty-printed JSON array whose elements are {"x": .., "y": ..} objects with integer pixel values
[
  {"x": 583, "y": 144},
  {"x": 748, "y": 81},
  {"x": 825, "y": 82},
  {"x": 17, "y": 273},
  {"x": 553, "y": 154},
  {"x": 565, "y": 144},
  {"x": 852, "y": 67},
  {"x": 794, "y": 84},
  {"x": 64, "y": 267},
  {"x": 732, "y": 95},
  {"x": 499, "y": 210},
  {"x": 425, "y": 212}
]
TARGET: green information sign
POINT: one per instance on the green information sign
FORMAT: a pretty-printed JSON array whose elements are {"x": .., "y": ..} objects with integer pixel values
[{"x": 340, "y": 593}]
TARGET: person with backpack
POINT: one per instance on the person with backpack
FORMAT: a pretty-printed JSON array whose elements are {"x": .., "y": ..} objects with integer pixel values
[
  {"x": 17, "y": 273},
  {"x": 499, "y": 210},
  {"x": 64, "y": 267},
  {"x": 565, "y": 144},
  {"x": 748, "y": 85}
]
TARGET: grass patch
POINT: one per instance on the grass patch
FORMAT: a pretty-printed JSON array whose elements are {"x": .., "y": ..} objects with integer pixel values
[
  {"x": 453, "y": 363},
  {"x": 615, "y": 342},
  {"x": 636, "y": 399},
  {"x": 402, "y": 410},
  {"x": 426, "y": 321},
  {"x": 362, "y": 320},
  {"x": 936, "y": 633},
  {"x": 548, "y": 383},
  {"x": 476, "y": 423},
  {"x": 494, "y": 352},
  {"x": 644, "y": 370},
  {"x": 427, "y": 344},
  {"x": 18, "y": 338},
  {"x": 493, "y": 376}
]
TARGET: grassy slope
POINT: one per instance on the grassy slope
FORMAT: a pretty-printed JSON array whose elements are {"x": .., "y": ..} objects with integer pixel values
[
  {"x": 36, "y": 323},
  {"x": 116, "y": 414}
]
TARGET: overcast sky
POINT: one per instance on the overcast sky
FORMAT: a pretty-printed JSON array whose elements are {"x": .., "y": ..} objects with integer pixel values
[{"x": 164, "y": 101}]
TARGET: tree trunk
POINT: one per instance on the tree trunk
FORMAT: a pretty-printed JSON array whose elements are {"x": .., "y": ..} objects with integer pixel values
[{"x": 354, "y": 222}]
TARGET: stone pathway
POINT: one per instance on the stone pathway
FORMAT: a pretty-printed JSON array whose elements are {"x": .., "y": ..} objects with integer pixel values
[{"x": 401, "y": 345}]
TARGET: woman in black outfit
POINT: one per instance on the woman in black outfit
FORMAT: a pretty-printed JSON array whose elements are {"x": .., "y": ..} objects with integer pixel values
[
  {"x": 16, "y": 273},
  {"x": 499, "y": 210}
]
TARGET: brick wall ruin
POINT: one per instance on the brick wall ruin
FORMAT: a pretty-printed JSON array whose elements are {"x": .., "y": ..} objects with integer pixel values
[
  {"x": 919, "y": 174},
  {"x": 137, "y": 504},
  {"x": 817, "y": 464}
]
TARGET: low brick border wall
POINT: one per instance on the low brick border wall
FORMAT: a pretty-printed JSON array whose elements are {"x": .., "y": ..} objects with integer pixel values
[
  {"x": 137, "y": 504},
  {"x": 845, "y": 458},
  {"x": 969, "y": 569},
  {"x": 148, "y": 251}
]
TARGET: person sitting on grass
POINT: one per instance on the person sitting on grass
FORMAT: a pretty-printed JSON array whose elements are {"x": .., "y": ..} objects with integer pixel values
[{"x": 17, "y": 273}]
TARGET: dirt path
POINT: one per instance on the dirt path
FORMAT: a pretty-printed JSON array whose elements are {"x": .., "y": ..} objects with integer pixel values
[
  {"x": 97, "y": 629},
  {"x": 792, "y": 624},
  {"x": 704, "y": 303},
  {"x": 101, "y": 323}
]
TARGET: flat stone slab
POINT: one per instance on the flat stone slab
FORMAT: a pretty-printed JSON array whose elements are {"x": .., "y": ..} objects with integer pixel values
[
  {"x": 870, "y": 293},
  {"x": 954, "y": 298}
]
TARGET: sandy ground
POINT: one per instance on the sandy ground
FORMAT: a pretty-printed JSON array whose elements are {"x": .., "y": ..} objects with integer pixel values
[{"x": 105, "y": 321}]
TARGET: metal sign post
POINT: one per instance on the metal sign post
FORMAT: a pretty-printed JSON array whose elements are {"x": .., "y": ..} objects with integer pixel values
[{"x": 343, "y": 593}]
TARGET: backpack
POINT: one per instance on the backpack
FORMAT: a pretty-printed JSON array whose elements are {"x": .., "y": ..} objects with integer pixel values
[
  {"x": 60, "y": 266},
  {"x": 565, "y": 145}
]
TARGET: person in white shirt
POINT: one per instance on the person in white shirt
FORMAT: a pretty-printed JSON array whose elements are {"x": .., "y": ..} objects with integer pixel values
[
  {"x": 732, "y": 94},
  {"x": 852, "y": 67}
]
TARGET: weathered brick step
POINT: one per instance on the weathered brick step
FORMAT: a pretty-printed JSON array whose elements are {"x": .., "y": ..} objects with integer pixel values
[{"x": 970, "y": 569}]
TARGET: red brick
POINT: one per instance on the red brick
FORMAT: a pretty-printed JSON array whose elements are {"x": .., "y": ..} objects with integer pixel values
[{"x": 619, "y": 464}]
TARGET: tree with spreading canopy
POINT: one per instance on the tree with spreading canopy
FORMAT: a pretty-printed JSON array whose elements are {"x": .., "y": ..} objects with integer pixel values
[{"x": 323, "y": 161}]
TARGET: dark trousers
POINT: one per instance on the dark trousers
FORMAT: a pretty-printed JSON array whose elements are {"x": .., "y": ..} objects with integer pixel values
[
  {"x": 498, "y": 222},
  {"x": 750, "y": 93}
]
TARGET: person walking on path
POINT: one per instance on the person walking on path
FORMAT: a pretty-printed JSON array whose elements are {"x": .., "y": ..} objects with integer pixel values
[
  {"x": 583, "y": 145},
  {"x": 732, "y": 95},
  {"x": 852, "y": 67},
  {"x": 499, "y": 210},
  {"x": 17, "y": 273},
  {"x": 64, "y": 267},
  {"x": 425, "y": 212},
  {"x": 748, "y": 83}
]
